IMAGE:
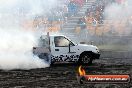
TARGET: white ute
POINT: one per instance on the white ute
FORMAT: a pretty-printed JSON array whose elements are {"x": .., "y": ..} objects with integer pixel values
[{"x": 60, "y": 49}]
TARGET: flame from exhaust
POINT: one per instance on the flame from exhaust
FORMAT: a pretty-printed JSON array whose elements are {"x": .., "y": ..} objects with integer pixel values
[{"x": 81, "y": 71}]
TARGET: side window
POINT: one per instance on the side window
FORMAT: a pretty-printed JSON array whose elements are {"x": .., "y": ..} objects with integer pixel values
[{"x": 61, "y": 41}]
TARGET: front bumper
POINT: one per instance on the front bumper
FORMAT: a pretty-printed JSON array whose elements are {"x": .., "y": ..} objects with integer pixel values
[{"x": 96, "y": 55}]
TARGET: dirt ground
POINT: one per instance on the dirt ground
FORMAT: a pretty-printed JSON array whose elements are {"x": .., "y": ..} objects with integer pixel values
[{"x": 64, "y": 76}]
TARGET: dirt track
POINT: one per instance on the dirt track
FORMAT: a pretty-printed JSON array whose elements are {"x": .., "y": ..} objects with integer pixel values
[{"x": 60, "y": 76}]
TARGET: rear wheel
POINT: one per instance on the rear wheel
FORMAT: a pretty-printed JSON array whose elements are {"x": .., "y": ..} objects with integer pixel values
[
  {"x": 52, "y": 63},
  {"x": 85, "y": 59},
  {"x": 45, "y": 57}
]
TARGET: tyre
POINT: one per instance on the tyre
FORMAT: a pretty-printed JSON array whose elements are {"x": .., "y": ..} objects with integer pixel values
[
  {"x": 86, "y": 59},
  {"x": 52, "y": 63},
  {"x": 46, "y": 57}
]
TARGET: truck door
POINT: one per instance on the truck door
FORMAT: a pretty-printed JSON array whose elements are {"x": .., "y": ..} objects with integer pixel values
[{"x": 60, "y": 50}]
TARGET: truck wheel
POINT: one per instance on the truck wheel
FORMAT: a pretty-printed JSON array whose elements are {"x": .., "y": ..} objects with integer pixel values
[
  {"x": 52, "y": 63},
  {"x": 45, "y": 57},
  {"x": 86, "y": 59}
]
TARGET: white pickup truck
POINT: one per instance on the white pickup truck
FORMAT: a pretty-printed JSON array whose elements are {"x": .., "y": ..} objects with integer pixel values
[{"x": 60, "y": 49}]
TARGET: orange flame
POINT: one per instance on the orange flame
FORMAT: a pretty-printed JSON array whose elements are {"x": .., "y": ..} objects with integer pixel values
[{"x": 81, "y": 71}]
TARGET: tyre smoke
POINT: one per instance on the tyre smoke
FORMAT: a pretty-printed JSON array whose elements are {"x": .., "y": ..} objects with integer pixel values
[
  {"x": 16, "y": 50},
  {"x": 16, "y": 42},
  {"x": 119, "y": 17}
]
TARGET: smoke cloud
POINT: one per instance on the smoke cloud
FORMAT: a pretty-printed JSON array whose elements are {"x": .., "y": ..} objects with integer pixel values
[
  {"x": 120, "y": 16},
  {"x": 16, "y": 42},
  {"x": 16, "y": 50}
]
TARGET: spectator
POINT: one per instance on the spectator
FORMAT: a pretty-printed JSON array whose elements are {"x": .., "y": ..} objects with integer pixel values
[
  {"x": 82, "y": 23},
  {"x": 65, "y": 11},
  {"x": 72, "y": 8},
  {"x": 79, "y": 2},
  {"x": 94, "y": 22}
]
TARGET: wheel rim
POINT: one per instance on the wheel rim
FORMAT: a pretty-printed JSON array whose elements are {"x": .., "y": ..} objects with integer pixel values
[{"x": 86, "y": 59}]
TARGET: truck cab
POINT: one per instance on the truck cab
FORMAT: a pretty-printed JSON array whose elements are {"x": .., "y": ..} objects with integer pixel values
[{"x": 60, "y": 49}]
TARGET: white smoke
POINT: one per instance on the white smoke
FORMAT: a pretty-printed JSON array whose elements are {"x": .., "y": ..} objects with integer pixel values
[
  {"x": 15, "y": 42},
  {"x": 120, "y": 16},
  {"x": 16, "y": 50},
  {"x": 117, "y": 11}
]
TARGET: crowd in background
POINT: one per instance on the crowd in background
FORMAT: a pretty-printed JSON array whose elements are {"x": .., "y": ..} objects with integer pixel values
[
  {"x": 95, "y": 14},
  {"x": 57, "y": 16},
  {"x": 91, "y": 22},
  {"x": 95, "y": 22}
]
